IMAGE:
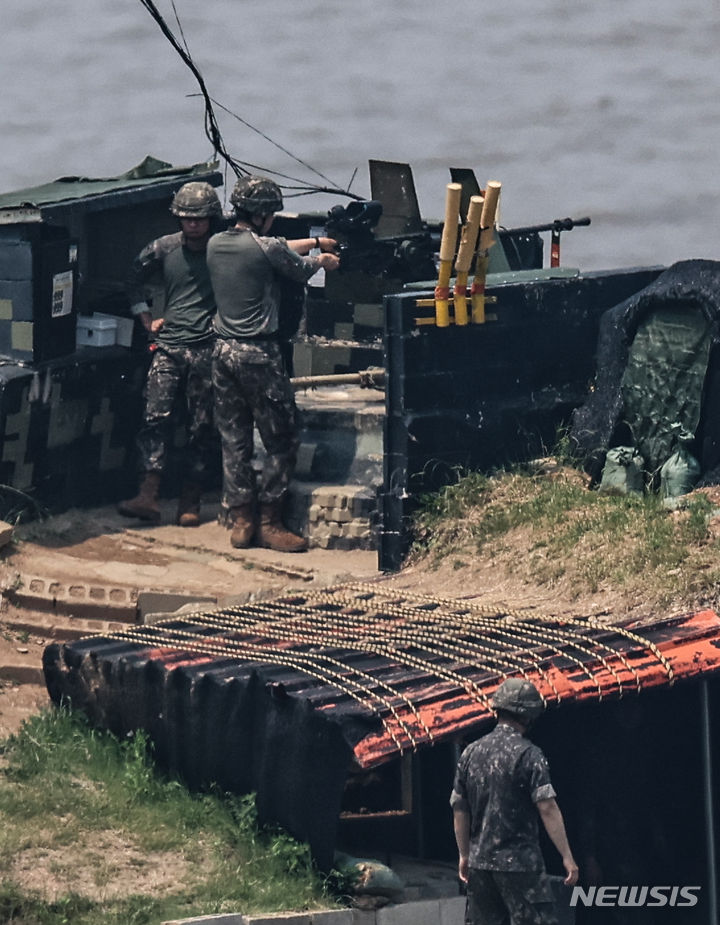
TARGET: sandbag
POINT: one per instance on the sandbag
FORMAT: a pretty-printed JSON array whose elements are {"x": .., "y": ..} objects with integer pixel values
[
  {"x": 623, "y": 472},
  {"x": 681, "y": 470},
  {"x": 370, "y": 877}
]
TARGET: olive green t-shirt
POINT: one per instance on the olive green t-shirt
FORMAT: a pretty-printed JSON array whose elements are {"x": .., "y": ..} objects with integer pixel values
[
  {"x": 245, "y": 270},
  {"x": 183, "y": 275}
]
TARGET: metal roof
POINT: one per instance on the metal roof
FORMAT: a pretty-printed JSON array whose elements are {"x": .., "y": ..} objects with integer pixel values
[
  {"x": 151, "y": 179},
  {"x": 398, "y": 671}
]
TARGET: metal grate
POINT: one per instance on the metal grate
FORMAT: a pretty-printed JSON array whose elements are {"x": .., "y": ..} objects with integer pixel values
[{"x": 404, "y": 657}]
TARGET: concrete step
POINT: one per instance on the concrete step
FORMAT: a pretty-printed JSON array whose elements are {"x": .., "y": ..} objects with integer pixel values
[{"x": 341, "y": 437}]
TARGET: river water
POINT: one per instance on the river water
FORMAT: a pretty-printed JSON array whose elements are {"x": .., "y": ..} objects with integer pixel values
[{"x": 578, "y": 107}]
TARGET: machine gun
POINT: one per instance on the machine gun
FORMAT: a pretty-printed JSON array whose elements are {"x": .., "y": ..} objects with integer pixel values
[
  {"x": 532, "y": 231},
  {"x": 406, "y": 257}
]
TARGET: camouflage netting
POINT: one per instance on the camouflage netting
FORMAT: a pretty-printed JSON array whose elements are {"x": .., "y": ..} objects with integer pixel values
[{"x": 658, "y": 372}]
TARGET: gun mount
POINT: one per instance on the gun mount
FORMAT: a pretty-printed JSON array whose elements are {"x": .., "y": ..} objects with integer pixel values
[{"x": 407, "y": 257}]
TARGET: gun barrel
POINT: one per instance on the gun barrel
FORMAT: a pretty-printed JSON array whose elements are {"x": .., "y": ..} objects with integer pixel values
[{"x": 560, "y": 224}]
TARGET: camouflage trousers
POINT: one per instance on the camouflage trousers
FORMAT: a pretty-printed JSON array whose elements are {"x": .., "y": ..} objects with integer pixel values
[
  {"x": 509, "y": 898},
  {"x": 252, "y": 389},
  {"x": 176, "y": 373}
]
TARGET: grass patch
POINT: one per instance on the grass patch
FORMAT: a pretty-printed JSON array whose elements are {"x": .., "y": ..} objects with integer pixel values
[
  {"x": 92, "y": 834},
  {"x": 549, "y": 529}
]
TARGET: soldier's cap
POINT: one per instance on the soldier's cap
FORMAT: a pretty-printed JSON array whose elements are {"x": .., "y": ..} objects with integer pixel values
[{"x": 520, "y": 698}]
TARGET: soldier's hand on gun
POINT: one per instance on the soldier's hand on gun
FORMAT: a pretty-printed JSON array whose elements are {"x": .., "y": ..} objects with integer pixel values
[
  {"x": 328, "y": 261},
  {"x": 327, "y": 245}
]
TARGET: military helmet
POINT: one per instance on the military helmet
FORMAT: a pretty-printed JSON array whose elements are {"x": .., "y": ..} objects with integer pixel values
[
  {"x": 520, "y": 698},
  {"x": 257, "y": 195},
  {"x": 196, "y": 200}
]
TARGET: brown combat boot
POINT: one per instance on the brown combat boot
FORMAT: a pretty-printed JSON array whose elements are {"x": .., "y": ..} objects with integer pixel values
[
  {"x": 188, "y": 512},
  {"x": 145, "y": 504},
  {"x": 272, "y": 534},
  {"x": 242, "y": 520}
]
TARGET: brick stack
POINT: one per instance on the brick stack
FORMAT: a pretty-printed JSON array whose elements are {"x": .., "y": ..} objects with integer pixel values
[{"x": 334, "y": 516}]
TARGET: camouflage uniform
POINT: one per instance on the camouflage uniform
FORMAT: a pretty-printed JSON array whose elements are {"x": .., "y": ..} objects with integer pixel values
[
  {"x": 249, "y": 378},
  {"x": 182, "y": 361},
  {"x": 499, "y": 780},
  {"x": 174, "y": 370},
  {"x": 251, "y": 386}
]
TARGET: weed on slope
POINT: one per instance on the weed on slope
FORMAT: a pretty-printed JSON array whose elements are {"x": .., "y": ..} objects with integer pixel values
[{"x": 92, "y": 834}]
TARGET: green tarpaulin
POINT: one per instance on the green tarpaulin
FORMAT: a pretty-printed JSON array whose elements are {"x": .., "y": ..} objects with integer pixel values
[{"x": 664, "y": 378}]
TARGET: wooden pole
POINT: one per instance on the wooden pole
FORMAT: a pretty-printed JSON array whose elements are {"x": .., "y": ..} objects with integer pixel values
[
  {"x": 487, "y": 239},
  {"x": 447, "y": 252},
  {"x": 466, "y": 249},
  {"x": 373, "y": 376}
]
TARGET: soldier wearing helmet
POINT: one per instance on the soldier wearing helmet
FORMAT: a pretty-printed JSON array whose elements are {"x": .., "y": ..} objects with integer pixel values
[
  {"x": 251, "y": 383},
  {"x": 502, "y": 786},
  {"x": 175, "y": 268}
]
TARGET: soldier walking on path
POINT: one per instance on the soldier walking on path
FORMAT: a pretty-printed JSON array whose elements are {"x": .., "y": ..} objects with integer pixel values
[
  {"x": 502, "y": 785},
  {"x": 182, "y": 361},
  {"x": 250, "y": 380}
]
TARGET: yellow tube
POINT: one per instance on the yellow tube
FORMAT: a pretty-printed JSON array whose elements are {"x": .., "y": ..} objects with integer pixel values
[
  {"x": 487, "y": 239},
  {"x": 477, "y": 292},
  {"x": 447, "y": 252},
  {"x": 466, "y": 249},
  {"x": 487, "y": 219}
]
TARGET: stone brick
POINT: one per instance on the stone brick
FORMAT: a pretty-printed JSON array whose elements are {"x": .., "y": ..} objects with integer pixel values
[{"x": 324, "y": 498}]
